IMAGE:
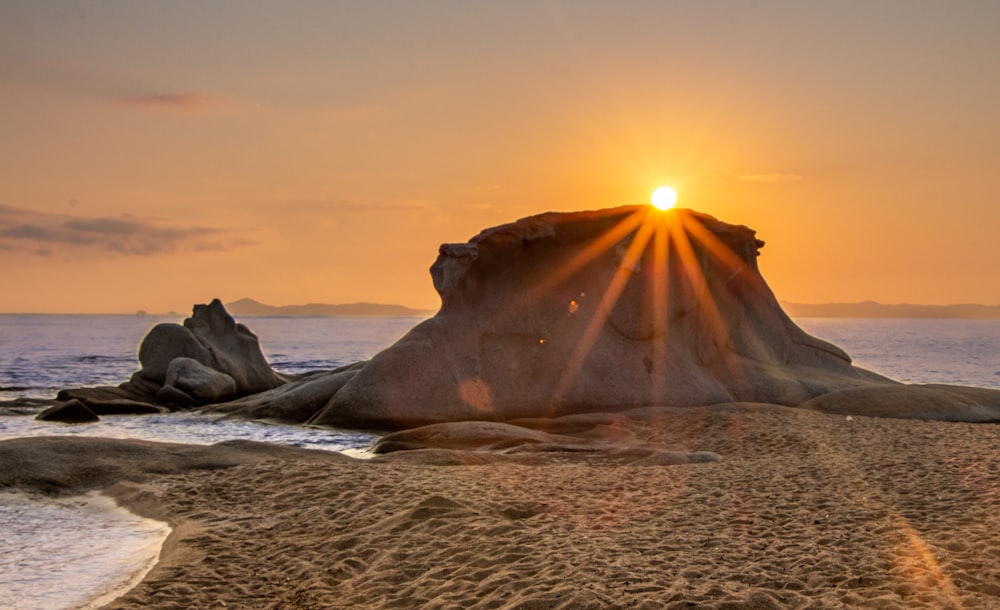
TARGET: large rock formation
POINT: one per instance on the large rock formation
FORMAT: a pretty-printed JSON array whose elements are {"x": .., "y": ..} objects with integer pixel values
[{"x": 594, "y": 311}]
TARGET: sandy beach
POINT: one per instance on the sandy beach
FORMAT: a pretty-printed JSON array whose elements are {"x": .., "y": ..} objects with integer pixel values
[{"x": 805, "y": 510}]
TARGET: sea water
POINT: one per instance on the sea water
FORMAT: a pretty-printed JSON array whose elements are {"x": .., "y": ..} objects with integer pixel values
[
  {"x": 950, "y": 351},
  {"x": 51, "y": 541}
]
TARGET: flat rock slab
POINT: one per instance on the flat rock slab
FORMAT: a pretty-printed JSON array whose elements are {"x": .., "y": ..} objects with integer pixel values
[
  {"x": 449, "y": 443},
  {"x": 66, "y": 465},
  {"x": 931, "y": 402}
]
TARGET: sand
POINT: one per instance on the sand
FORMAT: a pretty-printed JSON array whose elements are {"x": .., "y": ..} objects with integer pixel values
[{"x": 805, "y": 510}]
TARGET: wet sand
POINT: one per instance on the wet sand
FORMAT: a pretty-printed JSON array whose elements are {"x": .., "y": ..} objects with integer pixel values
[{"x": 805, "y": 510}]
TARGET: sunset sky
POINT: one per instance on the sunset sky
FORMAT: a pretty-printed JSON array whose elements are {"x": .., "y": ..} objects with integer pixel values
[{"x": 154, "y": 155}]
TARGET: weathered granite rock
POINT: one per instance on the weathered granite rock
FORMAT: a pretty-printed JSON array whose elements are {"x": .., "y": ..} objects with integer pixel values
[
  {"x": 470, "y": 435},
  {"x": 195, "y": 379},
  {"x": 122, "y": 406},
  {"x": 594, "y": 311},
  {"x": 213, "y": 338},
  {"x": 933, "y": 401},
  {"x": 208, "y": 359},
  {"x": 70, "y": 465},
  {"x": 70, "y": 412},
  {"x": 511, "y": 439},
  {"x": 165, "y": 342},
  {"x": 172, "y": 397},
  {"x": 293, "y": 403}
]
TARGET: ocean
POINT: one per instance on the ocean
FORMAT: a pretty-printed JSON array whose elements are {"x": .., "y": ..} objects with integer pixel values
[
  {"x": 41, "y": 354},
  {"x": 925, "y": 350},
  {"x": 95, "y": 549}
]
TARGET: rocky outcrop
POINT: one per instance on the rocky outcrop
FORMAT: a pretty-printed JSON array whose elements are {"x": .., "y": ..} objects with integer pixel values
[
  {"x": 293, "y": 403},
  {"x": 209, "y": 358},
  {"x": 594, "y": 311},
  {"x": 213, "y": 339},
  {"x": 70, "y": 412}
]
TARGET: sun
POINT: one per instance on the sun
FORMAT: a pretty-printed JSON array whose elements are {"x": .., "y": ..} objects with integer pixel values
[{"x": 664, "y": 198}]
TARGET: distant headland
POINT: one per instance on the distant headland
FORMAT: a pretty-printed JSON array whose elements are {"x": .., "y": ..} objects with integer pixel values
[
  {"x": 872, "y": 309},
  {"x": 250, "y": 307}
]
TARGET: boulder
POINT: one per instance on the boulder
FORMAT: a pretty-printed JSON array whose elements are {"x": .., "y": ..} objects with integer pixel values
[
  {"x": 166, "y": 342},
  {"x": 70, "y": 412},
  {"x": 605, "y": 311},
  {"x": 195, "y": 379}
]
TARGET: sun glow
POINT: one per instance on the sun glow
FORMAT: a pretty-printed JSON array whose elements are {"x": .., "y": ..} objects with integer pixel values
[{"x": 664, "y": 198}]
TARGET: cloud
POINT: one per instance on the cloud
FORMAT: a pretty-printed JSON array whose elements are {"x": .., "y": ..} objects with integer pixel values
[
  {"x": 170, "y": 101},
  {"x": 70, "y": 78},
  {"x": 111, "y": 226},
  {"x": 771, "y": 177},
  {"x": 38, "y": 233}
]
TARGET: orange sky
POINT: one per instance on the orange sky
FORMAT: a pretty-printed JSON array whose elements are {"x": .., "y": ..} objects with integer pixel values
[{"x": 156, "y": 155}]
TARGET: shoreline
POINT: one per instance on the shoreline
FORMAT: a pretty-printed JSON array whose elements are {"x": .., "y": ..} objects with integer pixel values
[
  {"x": 804, "y": 509},
  {"x": 79, "y": 551},
  {"x": 139, "y": 573}
]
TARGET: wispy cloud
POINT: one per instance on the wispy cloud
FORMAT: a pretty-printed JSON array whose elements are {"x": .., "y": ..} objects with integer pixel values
[
  {"x": 40, "y": 234},
  {"x": 170, "y": 101},
  {"x": 771, "y": 177},
  {"x": 68, "y": 78}
]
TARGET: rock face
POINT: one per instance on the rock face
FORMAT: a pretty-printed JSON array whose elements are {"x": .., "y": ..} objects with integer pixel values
[{"x": 594, "y": 311}]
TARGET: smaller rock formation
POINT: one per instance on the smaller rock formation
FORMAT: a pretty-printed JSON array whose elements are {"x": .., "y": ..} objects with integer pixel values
[
  {"x": 211, "y": 338},
  {"x": 210, "y": 358}
]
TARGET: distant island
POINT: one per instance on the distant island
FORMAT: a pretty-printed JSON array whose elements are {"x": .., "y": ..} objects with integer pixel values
[
  {"x": 250, "y": 307},
  {"x": 871, "y": 309}
]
